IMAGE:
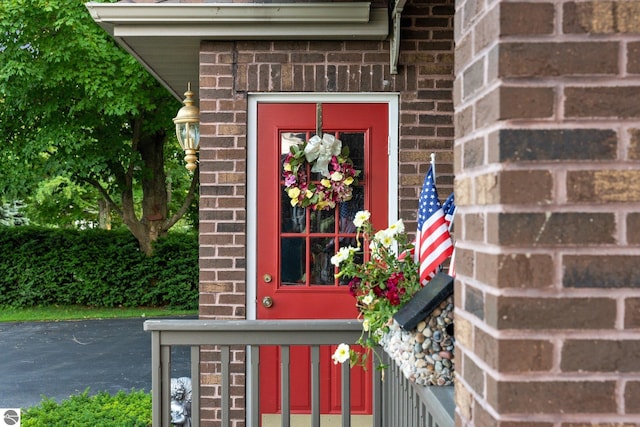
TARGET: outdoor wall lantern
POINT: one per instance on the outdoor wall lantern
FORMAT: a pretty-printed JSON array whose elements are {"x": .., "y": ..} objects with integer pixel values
[{"x": 188, "y": 129}]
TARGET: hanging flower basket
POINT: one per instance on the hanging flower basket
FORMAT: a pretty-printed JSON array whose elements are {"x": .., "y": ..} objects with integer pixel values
[{"x": 411, "y": 322}]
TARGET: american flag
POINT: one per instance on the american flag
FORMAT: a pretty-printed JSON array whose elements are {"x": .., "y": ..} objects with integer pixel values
[
  {"x": 433, "y": 242},
  {"x": 449, "y": 209}
]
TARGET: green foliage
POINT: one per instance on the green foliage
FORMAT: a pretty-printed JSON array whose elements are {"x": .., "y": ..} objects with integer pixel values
[
  {"x": 73, "y": 104},
  {"x": 383, "y": 277},
  {"x": 70, "y": 92},
  {"x": 100, "y": 268},
  {"x": 60, "y": 202},
  {"x": 123, "y": 409}
]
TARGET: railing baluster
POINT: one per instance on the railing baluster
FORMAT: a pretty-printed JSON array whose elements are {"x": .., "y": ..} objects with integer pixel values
[
  {"x": 156, "y": 380},
  {"x": 346, "y": 395},
  {"x": 395, "y": 393},
  {"x": 315, "y": 386},
  {"x": 165, "y": 363},
  {"x": 226, "y": 379},
  {"x": 195, "y": 386},
  {"x": 377, "y": 396},
  {"x": 255, "y": 385},
  {"x": 285, "y": 385}
]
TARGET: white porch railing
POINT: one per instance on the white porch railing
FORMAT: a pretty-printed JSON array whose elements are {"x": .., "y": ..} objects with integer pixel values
[{"x": 396, "y": 401}]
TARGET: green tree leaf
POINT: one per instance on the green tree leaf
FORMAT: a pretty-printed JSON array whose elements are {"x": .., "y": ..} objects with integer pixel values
[{"x": 73, "y": 104}]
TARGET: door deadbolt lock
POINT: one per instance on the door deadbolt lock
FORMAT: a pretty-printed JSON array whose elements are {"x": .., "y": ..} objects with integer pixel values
[
  {"x": 266, "y": 278},
  {"x": 267, "y": 302}
]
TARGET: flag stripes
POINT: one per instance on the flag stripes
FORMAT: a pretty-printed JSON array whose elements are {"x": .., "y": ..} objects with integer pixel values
[{"x": 433, "y": 242}]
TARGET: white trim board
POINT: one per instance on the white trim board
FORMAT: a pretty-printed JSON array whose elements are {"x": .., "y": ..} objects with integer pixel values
[{"x": 392, "y": 99}]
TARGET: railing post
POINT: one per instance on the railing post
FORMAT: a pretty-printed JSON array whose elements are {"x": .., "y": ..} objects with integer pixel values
[
  {"x": 377, "y": 397},
  {"x": 346, "y": 395},
  {"x": 195, "y": 386},
  {"x": 226, "y": 379},
  {"x": 165, "y": 384},
  {"x": 156, "y": 373},
  {"x": 285, "y": 385},
  {"x": 254, "y": 354},
  {"x": 315, "y": 386}
]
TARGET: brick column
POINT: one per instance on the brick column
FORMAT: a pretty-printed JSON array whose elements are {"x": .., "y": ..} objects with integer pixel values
[{"x": 547, "y": 169}]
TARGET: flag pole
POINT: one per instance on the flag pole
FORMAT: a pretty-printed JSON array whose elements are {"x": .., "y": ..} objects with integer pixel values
[{"x": 433, "y": 167}]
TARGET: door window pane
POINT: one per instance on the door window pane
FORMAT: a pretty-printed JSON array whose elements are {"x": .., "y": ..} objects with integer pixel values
[
  {"x": 321, "y": 268},
  {"x": 292, "y": 218},
  {"x": 309, "y": 237},
  {"x": 355, "y": 142},
  {"x": 293, "y": 265},
  {"x": 323, "y": 221}
]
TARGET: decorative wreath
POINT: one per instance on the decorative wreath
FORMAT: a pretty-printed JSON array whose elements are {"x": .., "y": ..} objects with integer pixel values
[{"x": 331, "y": 160}]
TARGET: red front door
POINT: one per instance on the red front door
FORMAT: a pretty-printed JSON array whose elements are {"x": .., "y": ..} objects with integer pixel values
[{"x": 295, "y": 245}]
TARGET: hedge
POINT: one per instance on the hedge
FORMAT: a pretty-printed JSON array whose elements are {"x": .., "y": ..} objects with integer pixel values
[{"x": 41, "y": 266}]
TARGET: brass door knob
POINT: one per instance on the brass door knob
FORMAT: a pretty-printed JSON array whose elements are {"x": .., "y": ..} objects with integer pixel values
[{"x": 267, "y": 302}]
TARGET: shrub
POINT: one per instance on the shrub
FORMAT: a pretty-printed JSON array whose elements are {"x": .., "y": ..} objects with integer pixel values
[
  {"x": 123, "y": 409},
  {"x": 101, "y": 268}
]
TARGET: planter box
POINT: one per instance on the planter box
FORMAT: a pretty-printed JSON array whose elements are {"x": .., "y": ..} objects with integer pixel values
[{"x": 420, "y": 340}]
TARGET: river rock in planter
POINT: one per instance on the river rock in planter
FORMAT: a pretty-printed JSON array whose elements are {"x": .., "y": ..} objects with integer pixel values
[{"x": 425, "y": 354}]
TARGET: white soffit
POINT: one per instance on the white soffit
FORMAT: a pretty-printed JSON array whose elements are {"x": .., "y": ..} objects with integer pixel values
[{"x": 165, "y": 37}]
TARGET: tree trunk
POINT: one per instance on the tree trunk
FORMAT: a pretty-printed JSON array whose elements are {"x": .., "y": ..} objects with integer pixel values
[
  {"x": 154, "y": 190},
  {"x": 104, "y": 214},
  {"x": 155, "y": 197}
]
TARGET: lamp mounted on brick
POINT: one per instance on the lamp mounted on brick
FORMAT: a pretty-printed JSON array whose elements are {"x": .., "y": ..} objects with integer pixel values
[{"x": 188, "y": 129}]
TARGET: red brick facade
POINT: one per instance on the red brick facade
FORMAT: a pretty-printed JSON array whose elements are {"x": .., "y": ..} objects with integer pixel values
[
  {"x": 547, "y": 144},
  {"x": 229, "y": 71},
  {"x": 536, "y": 112},
  {"x": 548, "y": 189}
]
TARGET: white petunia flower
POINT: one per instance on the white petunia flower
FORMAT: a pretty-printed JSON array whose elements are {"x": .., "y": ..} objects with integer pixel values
[
  {"x": 385, "y": 238},
  {"x": 396, "y": 228},
  {"x": 342, "y": 255},
  {"x": 361, "y": 217},
  {"x": 341, "y": 354}
]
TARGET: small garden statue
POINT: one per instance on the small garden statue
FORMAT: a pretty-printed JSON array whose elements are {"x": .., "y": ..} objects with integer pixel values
[{"x": 181, "y": 401}]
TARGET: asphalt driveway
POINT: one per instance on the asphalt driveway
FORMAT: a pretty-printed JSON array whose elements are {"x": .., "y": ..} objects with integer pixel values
[{"x": 58, "y": 359}]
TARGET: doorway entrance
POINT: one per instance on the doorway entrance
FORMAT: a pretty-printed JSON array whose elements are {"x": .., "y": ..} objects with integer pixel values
[{"x": 293, "y": 276}]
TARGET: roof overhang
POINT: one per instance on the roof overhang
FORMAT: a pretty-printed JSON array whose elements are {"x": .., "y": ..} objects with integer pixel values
[{"x": 165, "y": 37}]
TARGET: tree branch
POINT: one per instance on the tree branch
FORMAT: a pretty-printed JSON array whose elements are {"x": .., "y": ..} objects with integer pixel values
[
  {"x": 103, "y": 192},
  {"x": 187, "y": 202}
]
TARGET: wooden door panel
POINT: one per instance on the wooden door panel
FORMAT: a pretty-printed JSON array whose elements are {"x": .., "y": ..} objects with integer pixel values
[{"x": 295, "y": 244}]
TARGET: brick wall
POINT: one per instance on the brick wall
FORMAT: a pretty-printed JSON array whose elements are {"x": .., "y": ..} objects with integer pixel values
[
  {"x": 548, "y": 189},
  {"x": 229, "y": 70}
]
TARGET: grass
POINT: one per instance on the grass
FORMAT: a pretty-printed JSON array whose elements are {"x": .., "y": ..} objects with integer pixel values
[{"x": 69, "y": 312}]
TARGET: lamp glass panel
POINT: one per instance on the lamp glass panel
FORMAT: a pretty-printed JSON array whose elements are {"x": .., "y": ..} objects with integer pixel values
[{"x": 188, "y": 135}]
